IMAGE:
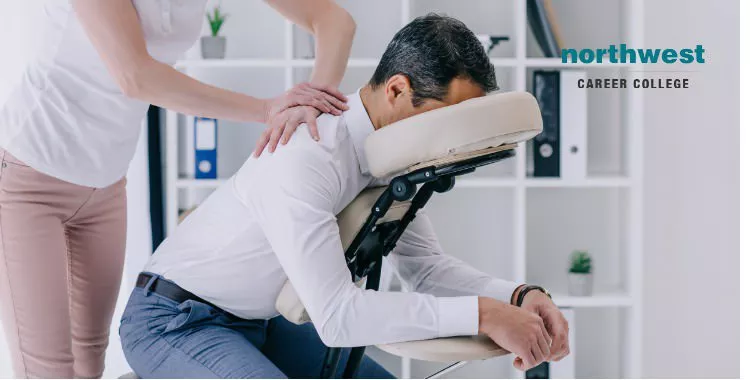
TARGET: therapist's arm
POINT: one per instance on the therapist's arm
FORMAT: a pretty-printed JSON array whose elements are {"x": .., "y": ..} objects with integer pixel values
[
  {"x": 115, "y": 31},
  {"x": 333, "y": 29}
]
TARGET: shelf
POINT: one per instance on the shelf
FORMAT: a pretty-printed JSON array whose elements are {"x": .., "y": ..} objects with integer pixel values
[
  {"x": 357, "y": 62},
  {"x": 188, "y": 183},
  {"x": 229, "y": 63},
  {"x": 602, "y": 182},
  {"x": 263, "y": 63},
  {"x": 616, "y": 299},
  {"x": 557, "y": 63},
  {"x": 504, "y": 62},
  {"x": 471, "y": 183},
  {"x": 373, "y": 62},
  {"x": 485, "y": 183},
  {"x": 468, "y": 183}
]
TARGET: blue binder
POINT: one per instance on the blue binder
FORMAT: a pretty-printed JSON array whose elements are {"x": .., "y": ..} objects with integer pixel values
[{"x": 205, "y": 148}]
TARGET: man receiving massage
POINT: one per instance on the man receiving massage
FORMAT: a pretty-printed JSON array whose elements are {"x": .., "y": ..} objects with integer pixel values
[{"x": 205, "y": 304}]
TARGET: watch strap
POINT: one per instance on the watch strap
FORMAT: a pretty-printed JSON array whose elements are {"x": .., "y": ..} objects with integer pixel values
[{"x": 526, "y": 289}]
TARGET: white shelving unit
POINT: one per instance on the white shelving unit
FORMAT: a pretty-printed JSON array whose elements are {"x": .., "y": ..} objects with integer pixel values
[{"x": 620, "y": 188}]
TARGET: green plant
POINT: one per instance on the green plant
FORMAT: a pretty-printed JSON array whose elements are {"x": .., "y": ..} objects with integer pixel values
[
  {"x": 580, "y": 262},
  {"x": 216, "y": 20}
]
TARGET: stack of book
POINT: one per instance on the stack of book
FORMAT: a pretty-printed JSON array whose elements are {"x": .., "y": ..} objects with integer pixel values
[{"x": 544, "y": 26}]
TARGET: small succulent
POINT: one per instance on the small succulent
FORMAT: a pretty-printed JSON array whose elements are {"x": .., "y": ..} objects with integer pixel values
[
  {"x": 580, "y": 262},
  {"x": 216, "y": 20}
]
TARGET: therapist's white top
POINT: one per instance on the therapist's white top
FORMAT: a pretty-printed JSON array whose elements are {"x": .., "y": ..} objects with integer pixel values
[
  {"x": 276, "y": 219},
  {"x": 66, "y": 116}
]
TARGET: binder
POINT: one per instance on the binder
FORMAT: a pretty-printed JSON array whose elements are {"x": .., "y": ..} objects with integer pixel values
[
  {"x": 543, "y": 25},
  {"x": 205, "y": 144},
  {"x": 554, "y": 24},
  {"x": 546, "y": 145},
  {"x": 573, "y": 125}
]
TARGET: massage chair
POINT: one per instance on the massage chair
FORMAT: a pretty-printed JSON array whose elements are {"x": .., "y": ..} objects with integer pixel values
[{"x": 422, "y": 155}]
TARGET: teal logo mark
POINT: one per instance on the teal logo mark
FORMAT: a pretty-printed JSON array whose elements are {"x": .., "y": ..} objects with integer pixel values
[{"x": 622, "y": 54}]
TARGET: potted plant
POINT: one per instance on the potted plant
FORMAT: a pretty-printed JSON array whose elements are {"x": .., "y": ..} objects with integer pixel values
[
  {"x": 214, "y": 46},
  {"x": 580, "y": 279}
]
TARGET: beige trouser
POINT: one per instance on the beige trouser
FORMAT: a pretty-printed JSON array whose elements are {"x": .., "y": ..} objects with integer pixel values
[{"x": 62, "y": 248}]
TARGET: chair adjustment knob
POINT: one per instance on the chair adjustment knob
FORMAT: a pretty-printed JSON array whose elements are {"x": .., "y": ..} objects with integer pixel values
[
  {"x": 444, "y": 184},
  {"x": 402, "y": 189}
]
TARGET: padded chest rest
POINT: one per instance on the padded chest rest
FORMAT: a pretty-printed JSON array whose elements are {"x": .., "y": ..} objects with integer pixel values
[
  {"x": 429, "y": 149},
  {"x": 350, "y": 221}
]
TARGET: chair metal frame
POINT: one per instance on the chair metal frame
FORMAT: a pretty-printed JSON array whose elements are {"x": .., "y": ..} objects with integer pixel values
[{"x": 364, "y": 256}]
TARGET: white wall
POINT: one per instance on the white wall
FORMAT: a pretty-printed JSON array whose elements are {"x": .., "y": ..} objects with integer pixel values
[{"x": 691, "y": 197}]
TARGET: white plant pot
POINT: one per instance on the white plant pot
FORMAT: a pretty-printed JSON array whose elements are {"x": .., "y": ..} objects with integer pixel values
[
  {"x": 213, "y": 47},
  {"x": 580, "y": 284}
]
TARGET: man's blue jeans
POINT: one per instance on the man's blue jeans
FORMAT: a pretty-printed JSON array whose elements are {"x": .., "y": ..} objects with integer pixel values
[{"x": 164, "y": 339}]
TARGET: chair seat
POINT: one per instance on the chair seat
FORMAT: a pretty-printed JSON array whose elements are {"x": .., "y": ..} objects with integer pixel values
[{"x": 447, "y": 350}]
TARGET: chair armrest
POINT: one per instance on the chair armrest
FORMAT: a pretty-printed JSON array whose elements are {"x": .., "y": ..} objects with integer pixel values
[{"x": 447, "y": 350}]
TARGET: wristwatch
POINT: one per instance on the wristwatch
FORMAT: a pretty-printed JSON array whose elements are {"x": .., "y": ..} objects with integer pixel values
[{"x": 527, "y": 288}]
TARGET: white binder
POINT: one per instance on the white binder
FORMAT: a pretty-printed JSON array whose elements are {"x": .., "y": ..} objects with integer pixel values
[
  {"x": 573, "y": 125},
  {"x": 566, "y": 368}
]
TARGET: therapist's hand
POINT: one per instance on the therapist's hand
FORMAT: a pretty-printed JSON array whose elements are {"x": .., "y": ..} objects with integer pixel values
[
  {"x": 325, "y": 99},
  {"x": 287, "y": 121},
  {"x": 516, "y": 330},
  {"x": 555, "y": 323}
]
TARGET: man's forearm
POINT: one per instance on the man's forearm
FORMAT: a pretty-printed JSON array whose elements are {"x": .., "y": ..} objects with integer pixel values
[{"x": 442, "y": 275}]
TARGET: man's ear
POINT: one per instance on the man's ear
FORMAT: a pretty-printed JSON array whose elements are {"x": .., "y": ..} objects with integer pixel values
[{"x": 398, "y": 89}]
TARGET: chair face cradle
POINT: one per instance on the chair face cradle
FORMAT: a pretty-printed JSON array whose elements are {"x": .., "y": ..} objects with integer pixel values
[{"x": 372, "y": 224}]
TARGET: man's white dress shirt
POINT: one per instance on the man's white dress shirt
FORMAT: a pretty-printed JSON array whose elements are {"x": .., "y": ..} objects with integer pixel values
[
  {"x": 65, "y": 115},
  {"x": 276, "y": 219}
]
